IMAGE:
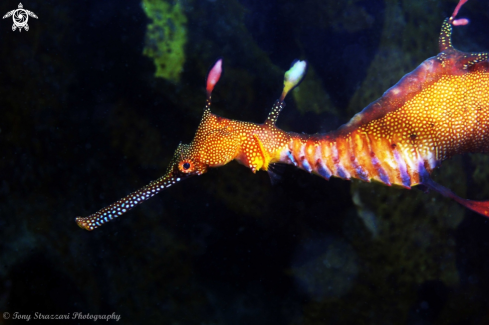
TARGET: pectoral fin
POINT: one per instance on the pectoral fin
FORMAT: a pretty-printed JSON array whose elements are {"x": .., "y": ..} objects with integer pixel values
[{"x": 256, "y": 156}]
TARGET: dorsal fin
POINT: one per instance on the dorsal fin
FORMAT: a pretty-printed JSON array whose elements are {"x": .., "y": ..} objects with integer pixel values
[
  {"x": 273, "y": 115},
  {"x": 292, "y": 79},
  {"x": 212, "y": 79},
  {"x": 445, "y": 40}
]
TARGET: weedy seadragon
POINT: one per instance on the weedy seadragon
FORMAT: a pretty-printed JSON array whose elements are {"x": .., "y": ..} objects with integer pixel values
[{"x": 439, "y": 110}]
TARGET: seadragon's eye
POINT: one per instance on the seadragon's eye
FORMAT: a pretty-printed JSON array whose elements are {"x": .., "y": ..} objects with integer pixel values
[{"x": 186, "y": 166}]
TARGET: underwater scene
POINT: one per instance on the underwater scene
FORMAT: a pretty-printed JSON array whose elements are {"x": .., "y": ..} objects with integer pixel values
[{"x": 99, "y": 99}]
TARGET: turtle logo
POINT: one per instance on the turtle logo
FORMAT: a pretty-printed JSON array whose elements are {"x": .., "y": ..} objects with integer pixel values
[{"x": 20, "y": 17}]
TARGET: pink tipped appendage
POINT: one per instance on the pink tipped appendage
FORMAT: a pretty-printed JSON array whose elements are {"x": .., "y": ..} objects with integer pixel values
[
  {"x": 461, "y": 21},
  {"x": 457, "y": 8},
  {"x": 213, "y": 76}
]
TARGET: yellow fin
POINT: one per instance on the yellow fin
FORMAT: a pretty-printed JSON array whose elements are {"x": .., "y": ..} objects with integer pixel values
[{"x": 264, "y": 155}]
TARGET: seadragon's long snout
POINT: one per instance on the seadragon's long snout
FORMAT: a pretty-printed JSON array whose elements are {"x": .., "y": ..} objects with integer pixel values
[{"x": 173, "y": 175}]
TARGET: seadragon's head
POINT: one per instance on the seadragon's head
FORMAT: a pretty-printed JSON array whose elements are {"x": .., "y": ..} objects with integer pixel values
[{"x": 217, "y": 141}]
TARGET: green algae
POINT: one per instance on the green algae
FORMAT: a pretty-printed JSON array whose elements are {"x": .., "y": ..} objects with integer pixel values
[{"x": 166, "y": 37}]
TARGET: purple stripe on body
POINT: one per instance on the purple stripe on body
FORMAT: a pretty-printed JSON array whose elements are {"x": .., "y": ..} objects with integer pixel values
[
  {"x": 362, "y": 174},
  {"x": 382, "y": 174},
  {"x": 342, "y": 172},
  {"x": 291, "y": 157},
  {"x": 406, "y": 179},
  {"x": 305, "y": 164},
  {"x": 323, "y": 170}
]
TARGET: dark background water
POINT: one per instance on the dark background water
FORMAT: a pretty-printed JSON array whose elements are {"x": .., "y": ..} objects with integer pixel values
[{"x": 84, "y": 121}]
